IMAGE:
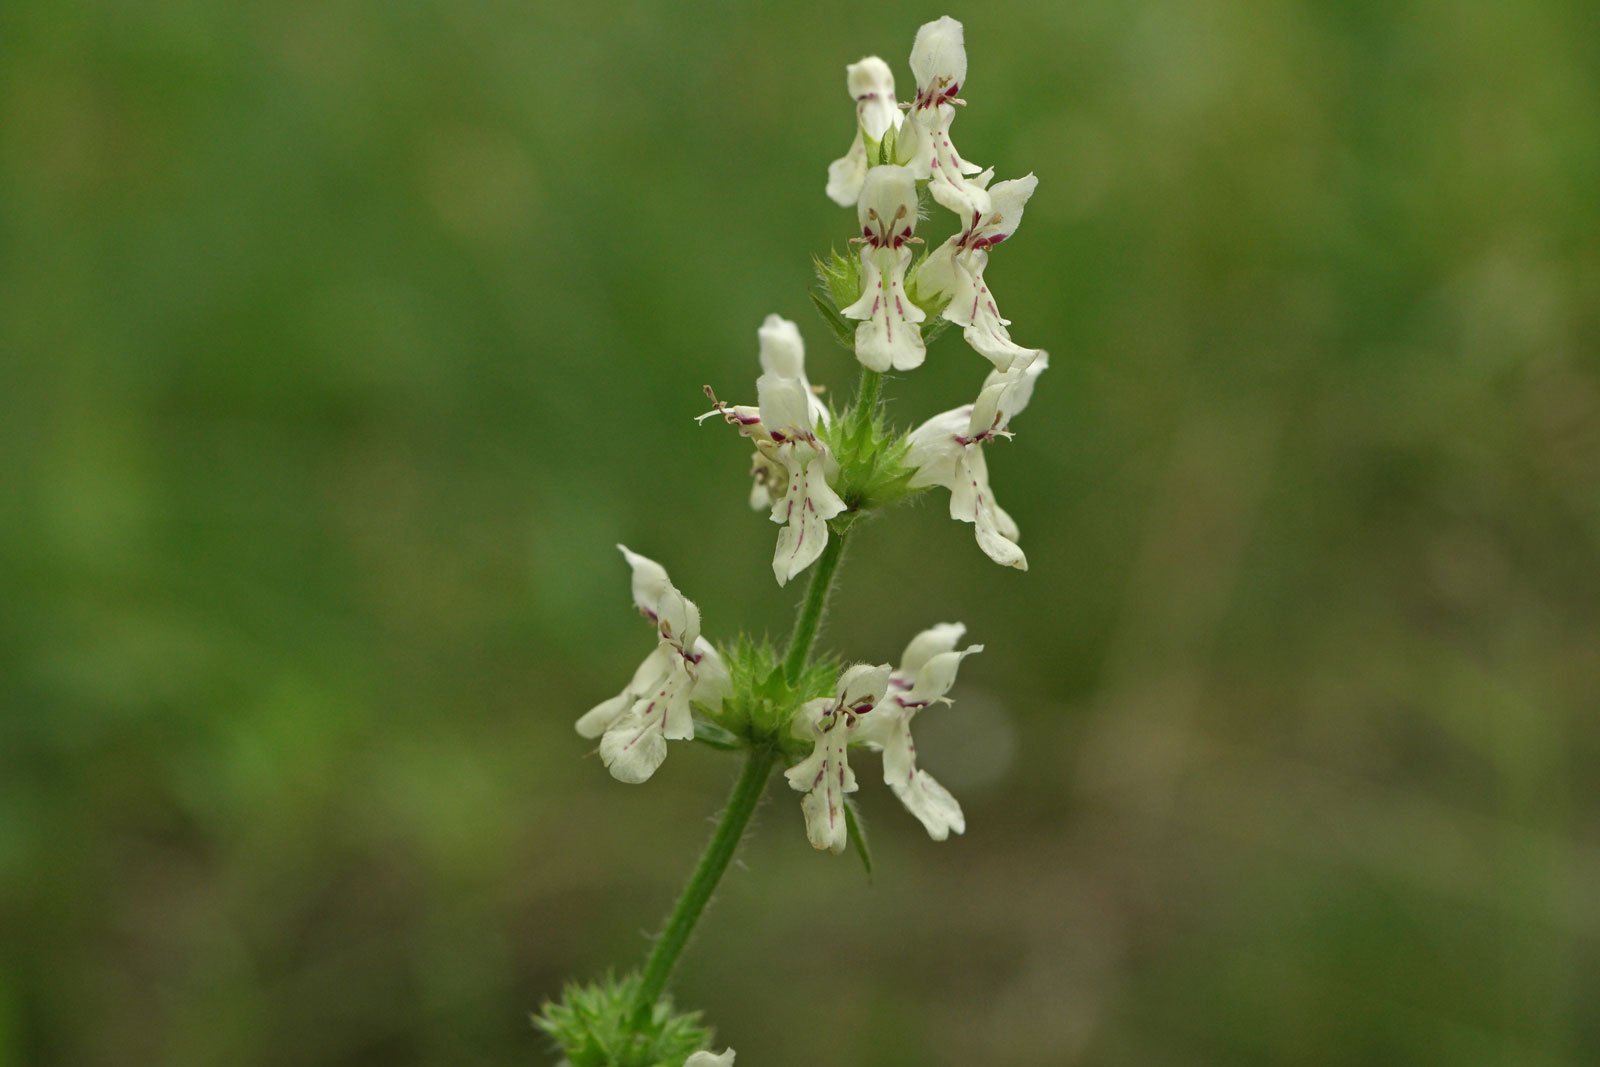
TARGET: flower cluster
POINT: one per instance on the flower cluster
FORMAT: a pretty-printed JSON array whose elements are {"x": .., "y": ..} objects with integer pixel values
[
  {"x": 875, "y": 706},
  {"x": 816, "y": 469},
  {"x": 808, "y": 456}
]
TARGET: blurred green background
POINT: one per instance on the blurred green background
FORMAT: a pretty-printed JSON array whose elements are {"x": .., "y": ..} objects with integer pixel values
[{"x": 339, "y": 342}]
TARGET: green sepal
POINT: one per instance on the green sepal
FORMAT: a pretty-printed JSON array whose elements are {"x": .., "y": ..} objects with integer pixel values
[
  {"x": 838, "y": 286},
  {"x": 593, "y": 1025},
  {"x": 883, "y": 151},
  {"x": 857, "y": 827},
  {"x": 709, "y": 733},
  {"x": 762, "y": 701},
  {"x": 844, "y": 331},
  {"x": 873, "y": 472}
]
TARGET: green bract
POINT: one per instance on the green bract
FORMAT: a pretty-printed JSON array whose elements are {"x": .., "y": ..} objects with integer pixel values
[
  {"x": 593, "y": 1025},
  {"x": 873, "y": 472},
  {"x": 763, "y": 701}
]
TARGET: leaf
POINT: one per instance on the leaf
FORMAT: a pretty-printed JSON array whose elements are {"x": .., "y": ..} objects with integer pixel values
[
  {"x": 858, "y": 834},
  {"x": 843, "y": 332}
]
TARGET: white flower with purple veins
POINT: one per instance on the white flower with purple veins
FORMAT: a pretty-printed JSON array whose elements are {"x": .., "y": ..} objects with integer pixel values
[
  {"x": 654, "y": 707},
  {"x": 948, "y": 450},
  {"x": 939, "y": 62},
  {"x": 831, "y": 723},
  {"x": 871, "y": 84},
  {"x": 792, "y": 466},
  {"x": 927, "y": 671},
  {"x": 888, "y": 335},
  {"x": 956, "y": 267},
  {"x": 710, "y": 1059}
]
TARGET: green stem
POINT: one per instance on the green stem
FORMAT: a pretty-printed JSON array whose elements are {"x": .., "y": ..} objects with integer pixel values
[
  {"x": 805, "y": 625},
  {"x": 867, "y": 390},
  {"x": 697, "y": 894}
]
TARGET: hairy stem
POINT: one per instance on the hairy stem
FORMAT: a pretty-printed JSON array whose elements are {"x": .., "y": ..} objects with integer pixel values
[
  {"x": 867, "y": 391},
  {"x": 707, "y": 873},
  {"x": 811, "y": 608}
]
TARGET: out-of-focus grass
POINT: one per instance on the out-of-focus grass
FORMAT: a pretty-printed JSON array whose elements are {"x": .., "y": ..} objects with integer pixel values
[{"x": 338, "y": 344}]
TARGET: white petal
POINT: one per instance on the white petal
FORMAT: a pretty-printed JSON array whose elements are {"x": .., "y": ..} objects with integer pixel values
[
  {"x": 804, "y": 510},
  {"x": 947, "y": 173},
  {"x": 939, "y": 56},
  {"x": 785, "y": 404},
  {"x": 783, "y": 352},
  {"x": 677, "y": 618},
  {"x": 645, "y": 677},
  {"x": 650, "y": 580},
  {"x": 887, "y": 210},
  {"x": 888, "y": 336},
  {"x": 934, "y": 451},
  {"x": 594, "y": 722},
  {"x": 937, "y": 273},
  {"x": 712, "y": 683},
  {"x": 932, "y": 804},
  {"x": 1006, "y": 393},
  {"x": 926, "y": 645},
  {"x": 804, "y": 723},
  {"x": 913, "y": 149},
  {"x": 971, "y": 500},
  {"x": 825, "y": 777},
  {"x": 636, "y": 743},
  {"x": 871, "y": 85},
  {"x": 710, "y": 1059},
  {"x": 1006, "y": 201},
  {"x": 863, "y": 685},
  {"x": 936, "y": 676},
  {"x": 635, "y": 746},
  {"x": 924, "y": 797},
  {"x": 846, "y": 174},
  {"x": 973, "y": 307}
]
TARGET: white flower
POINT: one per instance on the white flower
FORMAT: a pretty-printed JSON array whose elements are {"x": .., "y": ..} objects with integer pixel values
[
  {"x": 956, "y": 267},
  {"x": 871, "y": 86},
  {"x": 939, "y": 61},
  {"x": 710, "y": 1059},
  {"x": 783, "y": 353},
  {"x": 825, "y": 776},
  {"x": 887, "y": 210},
  {"x": 792, "y": 466},
  {"x": 927, "y": 671},
  {"x": 653, "y": 708},
  {"x": 947, "y": 450}
]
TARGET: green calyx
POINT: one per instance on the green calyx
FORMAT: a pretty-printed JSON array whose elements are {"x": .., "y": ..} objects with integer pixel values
[
  {"x": 594, "y": 1025},
  {"x": 838, "y": 286},
  {"x": 763, "y": 701},
  {"x": 873, "y": 472}
]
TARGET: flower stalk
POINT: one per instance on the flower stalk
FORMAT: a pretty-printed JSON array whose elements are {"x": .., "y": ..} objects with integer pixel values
[{"x": 724, "y": 844}]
